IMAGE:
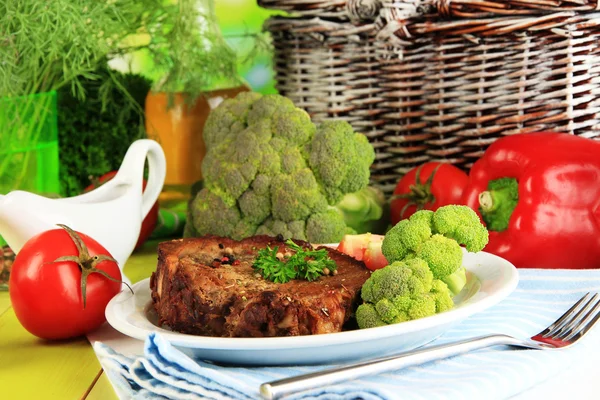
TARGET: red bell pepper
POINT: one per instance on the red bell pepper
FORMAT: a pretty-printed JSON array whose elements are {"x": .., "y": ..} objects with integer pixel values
[{"x": 539, "y": 196}]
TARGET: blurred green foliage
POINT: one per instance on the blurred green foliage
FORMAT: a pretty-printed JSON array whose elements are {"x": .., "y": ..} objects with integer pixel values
[{"x": 95, "y": 133}]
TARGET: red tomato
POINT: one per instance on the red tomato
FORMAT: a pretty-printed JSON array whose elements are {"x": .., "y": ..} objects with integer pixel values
[
  {"x": 429, "y": 186},
  {"x": 46, "y": 295},
  {"x": 366, "y": 248},
  {"x": 148, "y": 224}
]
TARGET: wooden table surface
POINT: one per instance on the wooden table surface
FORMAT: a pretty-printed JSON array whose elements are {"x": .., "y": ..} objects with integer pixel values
[{"x": 32, "y": 368}]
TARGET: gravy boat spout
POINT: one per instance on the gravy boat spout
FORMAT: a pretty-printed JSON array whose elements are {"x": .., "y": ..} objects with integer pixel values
[{"x": 112, "y": 214}]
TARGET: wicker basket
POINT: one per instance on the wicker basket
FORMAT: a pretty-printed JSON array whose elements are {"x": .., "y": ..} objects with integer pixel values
[{"x": 440, "y": 80}]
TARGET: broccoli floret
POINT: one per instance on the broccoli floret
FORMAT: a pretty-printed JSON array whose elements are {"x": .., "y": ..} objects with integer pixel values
[
  {"x": 456, "y": 281},
  {"x": 340, "y": 159},
  {"x": 264, "y": 108},
  {"x": 242, "y": 230},
  {"x": 462, "y": 224},
  {"x": 232, "y": 166},
  {"x": 413, "y": 307},
  {"x": 296, "y": 196},
  {"x": 443, "y": 255},
  {"x": 404, "y": 238},
  {"x": 326, "y": 227},
  {"x": 255, "y": 203},
  {"x": 293, "y": 125},
  {"x": 367, "y": 316},
  {"x": 210, "y": 215},
  {"x": 275, "y": 172},
  {"x": 397, "y": 279},
  {"x": 442, "y": 296},
  {"x": 228, "y": 119},
  {"x": 293, "y": 229},
  {"x": 402, "y": 291},
  {"x": 292, "y": 160},
  {"x": 436, "y": 238},
  {"x": 297, "y": 229}
]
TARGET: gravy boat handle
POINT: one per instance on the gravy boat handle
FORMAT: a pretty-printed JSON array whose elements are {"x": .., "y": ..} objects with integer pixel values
[{"x": 132, "y": 170}]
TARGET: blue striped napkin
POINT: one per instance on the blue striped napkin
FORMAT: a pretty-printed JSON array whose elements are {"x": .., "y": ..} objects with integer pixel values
[{"x": 494, "y": 373}]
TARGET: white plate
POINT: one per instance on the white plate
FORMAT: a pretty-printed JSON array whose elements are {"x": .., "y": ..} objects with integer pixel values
[{"x": 490, "y": 279}]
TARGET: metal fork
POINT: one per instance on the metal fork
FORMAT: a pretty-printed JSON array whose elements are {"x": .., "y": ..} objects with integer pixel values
[{"x": 563, "y": 332}]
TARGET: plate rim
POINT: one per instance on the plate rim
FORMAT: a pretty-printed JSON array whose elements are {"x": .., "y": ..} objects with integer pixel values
[{"x": 120, "y": 323}]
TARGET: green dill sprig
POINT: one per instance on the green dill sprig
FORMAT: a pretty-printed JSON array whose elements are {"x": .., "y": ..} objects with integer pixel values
[{"x": 305, "y": 264}]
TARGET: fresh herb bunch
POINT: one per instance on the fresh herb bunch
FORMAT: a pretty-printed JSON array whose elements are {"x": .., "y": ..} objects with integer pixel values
[
  {"x": 308, "y": 264},
  {"x": 189, "y": 50},
  {"x": 46, "y": 45},
  {"x": 95, "y": 133}
]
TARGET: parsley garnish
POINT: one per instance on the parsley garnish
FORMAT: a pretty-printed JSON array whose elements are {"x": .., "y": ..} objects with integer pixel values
[{"x": 303, "y": 264}]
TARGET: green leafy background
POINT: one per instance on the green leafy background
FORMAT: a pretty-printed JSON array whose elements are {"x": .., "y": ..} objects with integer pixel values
[{"x": 241, "y": 24}]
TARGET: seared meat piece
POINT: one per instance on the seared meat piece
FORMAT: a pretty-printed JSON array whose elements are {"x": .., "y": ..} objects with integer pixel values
[{"x": 207, "y": 286}]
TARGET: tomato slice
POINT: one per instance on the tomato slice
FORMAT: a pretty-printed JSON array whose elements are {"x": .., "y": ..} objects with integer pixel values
[
  {"x": 366, "y": 248},
  {"x": 354, "y": 245},
  {"x": 373, "y": 257}
]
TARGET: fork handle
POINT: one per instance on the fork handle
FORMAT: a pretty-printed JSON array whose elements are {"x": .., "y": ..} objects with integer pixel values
[{"x": 276, "y": 389}]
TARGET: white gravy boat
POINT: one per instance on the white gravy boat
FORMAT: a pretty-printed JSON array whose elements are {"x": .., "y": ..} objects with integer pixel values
[{"x": 112, "y": 214}]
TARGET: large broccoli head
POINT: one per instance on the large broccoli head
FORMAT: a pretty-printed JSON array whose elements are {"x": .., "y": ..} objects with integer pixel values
[{"x": 269, "y": 169}]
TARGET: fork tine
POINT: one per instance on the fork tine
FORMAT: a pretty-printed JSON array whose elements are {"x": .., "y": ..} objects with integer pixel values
[
  {"x": 588, "y": 321},
  {"x": 563, "y": 319},
  {"x": 575, "y": 319}
]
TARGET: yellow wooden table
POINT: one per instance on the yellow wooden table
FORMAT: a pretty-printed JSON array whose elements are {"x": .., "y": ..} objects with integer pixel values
[{"x": 31, "y": 368}]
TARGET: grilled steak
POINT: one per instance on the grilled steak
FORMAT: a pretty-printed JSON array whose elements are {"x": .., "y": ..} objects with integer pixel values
[{"x": 207, "y": 286}]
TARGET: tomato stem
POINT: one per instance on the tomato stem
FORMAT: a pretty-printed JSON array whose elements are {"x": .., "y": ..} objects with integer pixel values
[
  {"x": 420, "y": 192},
  {"x": 87, "y": 264}
]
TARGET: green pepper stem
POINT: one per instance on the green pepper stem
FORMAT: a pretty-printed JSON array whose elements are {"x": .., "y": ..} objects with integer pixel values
[
  {"x": 498, "y": 202},
  {"x": 486, "y": 201}
]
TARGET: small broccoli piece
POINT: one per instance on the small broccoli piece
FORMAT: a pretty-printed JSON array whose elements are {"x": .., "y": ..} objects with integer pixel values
[
  {"x": 414, "y": 307},
  {"x": 243, "y": 229},
  {"x": 462, "y": 224},
  {"x": 228, "y": 119},
  {"x": 340, "y": 159},
  {"x": 406, "y": 236},
  {"x": 367, "y": 316},
  {"x": 456, "y": 281},
  {"x": 293, "y": 125},
  {"x": 292, "y": 160},
  {"x": 264, "y": 108},
  {"x": 402, "y": 291},
  {"x": 441, "y": 296},
  {"x": 326, "y": 227},
  {"x": 229, "y": 179},
  {"x": 255, "y": 203},
  {"x": 296, "y": 196},
  {"x": 498, "y": 202},
  {"x": 293, "y": 229},
  {"x": 443, "y": 255},
  {"x": 210, "y": 215},
  {"x": 297, "y": 229},
  {"x": 397, "y": 279},
  {"x": 423, "y": 216}
]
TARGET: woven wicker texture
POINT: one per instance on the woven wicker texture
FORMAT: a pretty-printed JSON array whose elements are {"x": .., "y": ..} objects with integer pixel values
[
  {"x": 433, "y": 89},
  {"x": 338, "y": 10}
]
